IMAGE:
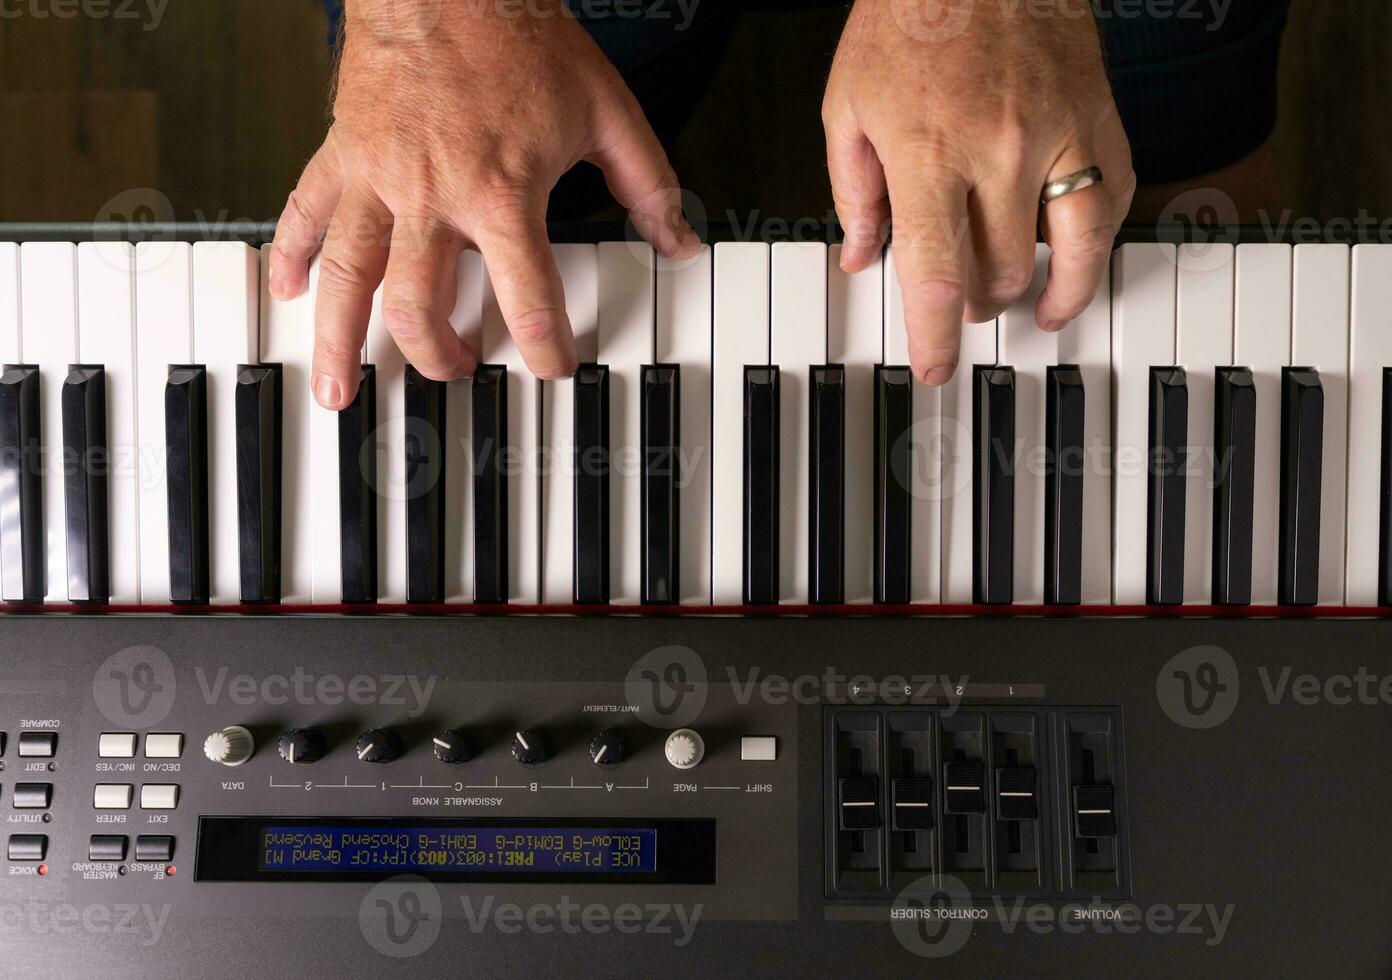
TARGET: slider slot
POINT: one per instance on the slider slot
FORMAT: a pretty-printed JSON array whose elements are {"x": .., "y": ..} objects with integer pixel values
[
  {"x": 1235, "y": 449},
  {"x": 357, "y": 489},
  {"x": 489, "y": 444},
  {"x": 85, "y": 468},
  {"x": 826, "y": 486},
  {"x": 761, "y": 446},
  {"x": 591, "y": 552},
  {"x": 1169, "y": 423},
  {"x": 1302, "y": 448},
  {"x": 425, "y": 488},
  {"x": 186, "y": 447},
  {"x": 1385, "y": 510},
  {"x": 893, "y": 504},
  {"x": 993, "y": 470},
  {"x": 1065, "y": 459},
  {"x": 660, "y": 423},
  {"x": 258, "y": 409},
  {"x": 22, "y": 558}
]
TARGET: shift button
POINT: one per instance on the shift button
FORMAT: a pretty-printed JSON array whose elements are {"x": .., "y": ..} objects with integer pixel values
[
  {"x": 758, "y": 748},
  {"x": 27, "y": 847},
  {"x": 112, "y": 796}
]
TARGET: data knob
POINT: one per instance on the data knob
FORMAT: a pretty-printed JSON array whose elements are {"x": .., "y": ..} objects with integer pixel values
[
  {"x": 230, "y": 746},
  {"x": 378, "y": 745},
  {"x": 301, "y": 745},
  {"x": 529, "y": 747},
  {"x": 454, "y": 747},
  {"x": 685, "y": 748},
  {"x": 607, "y": 748}
]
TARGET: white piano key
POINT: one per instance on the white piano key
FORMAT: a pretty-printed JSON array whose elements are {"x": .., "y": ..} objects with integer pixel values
[
  {"x": 1203, "y": 343},
  {"x": 9, "y": 303},
  {"x": 928, "y": 489},
  {"x": 467, "y": 320},
  {"x": 798, "y": 340},
  {"x": 579, "y": 268},
  {"x": 381, "y": 352},
  {"x": 106, "y": 336},
  {"x": 1370, "y": 350},
  {"x": 48, "y": 324},
  {"x": 226, "y": 307},
  {"x": 741, "y": 338},
  {"x": 855, "y": 338},
  {"x": 522, "y": 458},
  {"x": 1320, "y": 339},
  {"x": 164, "y": 331},
  {"x": 1261, "y": 341},
  {"x": 287, "y": 339},
  {"x": 683, "y": 337},
  {"x": 625, "y": 344},
  {"x": 1143, "y": 336},
  {"x": 979, "y": 346}
]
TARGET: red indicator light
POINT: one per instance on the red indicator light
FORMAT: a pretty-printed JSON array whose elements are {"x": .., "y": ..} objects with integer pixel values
[
  {"x": 171, "y": 870},
  {"x": 43, "y": 869}
]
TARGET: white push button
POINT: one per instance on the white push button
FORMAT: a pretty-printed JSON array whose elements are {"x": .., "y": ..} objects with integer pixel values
[
  {"x": 159, "y": 796},
  {"x": 164, "y": 745},
  {"x": 116, "y": 745},
  {"x": 758, "y": 748},
  {"x": 112, "y": 796}
]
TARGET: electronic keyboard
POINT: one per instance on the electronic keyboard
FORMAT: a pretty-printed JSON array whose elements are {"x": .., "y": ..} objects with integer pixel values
[{"x": 744, "y": 433}]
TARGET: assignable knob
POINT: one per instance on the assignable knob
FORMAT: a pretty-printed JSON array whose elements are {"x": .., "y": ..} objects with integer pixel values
[
  {"x": 685, "y": 748},
  {"x": 607, "y": 748},
  {"x": 529, "y": 747},
  {"x": 230, "y": 746},
  {"x": 378, "y": 745},
  {"x": 454, "y": 747},
  {"x": 301, "y": 745}
]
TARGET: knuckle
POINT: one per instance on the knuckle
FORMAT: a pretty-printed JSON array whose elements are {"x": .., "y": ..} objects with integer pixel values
[
  {"x": 333, "y": 350},
  {"x": 1009, "y": 283},
  {"x": 340, "y": 276},
  {"x": 535, "y": 327},
  {"x": 407, "y": 319},
  {"x": 935, "y": 292}
]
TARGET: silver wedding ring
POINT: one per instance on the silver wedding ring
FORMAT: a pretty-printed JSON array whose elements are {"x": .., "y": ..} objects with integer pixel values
[{"x": 1064, "y": 186}]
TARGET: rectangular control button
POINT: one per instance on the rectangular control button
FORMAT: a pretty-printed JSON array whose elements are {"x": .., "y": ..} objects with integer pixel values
[
  {"x": 159, "y": 796},
  {"x": 33, "y": 796},
  {"x": 38, "y": 745},
  {"x": 116, "y": 745},
  {"x": 154, "y": 847},
  {"x": 758, "y": 748},
  {"x": 164, "y": 745},
  {"x": 112, "y": 796},
  {"x": 107, "y": 847},
  {"x": 27, "y": 847}
]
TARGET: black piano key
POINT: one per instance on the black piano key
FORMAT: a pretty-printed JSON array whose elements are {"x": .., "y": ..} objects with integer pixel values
[
  {"x": 993, "y": 470},
  {"x": 893, "y": 503},
  {"x": 425, "y": 487},
  {"x": 357, "y": 492},
  {"x": 1234, "y": 461},
  {"x": 489, "y": 443},
  {"x": 258, "y": 415},
  {"x": 1064, "y": 462},
  {"x": 1302, "y": 448},
  {"x": 826, "y": 486},
  {"x": 661, "y": 427},
  {"x": 1169, "y": 431},
  {"x": 21, "y": 487},
  {"x": 591, "y": 549},
  {"x": 1385, "y": 510},
  {"x": 761, "y": 421},
  {"x": 186, "y": 449},
  {"x": 85, "y": 469}
]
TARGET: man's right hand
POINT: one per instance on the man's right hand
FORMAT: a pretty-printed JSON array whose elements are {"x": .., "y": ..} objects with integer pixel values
[{"x": 452, "y": 123}]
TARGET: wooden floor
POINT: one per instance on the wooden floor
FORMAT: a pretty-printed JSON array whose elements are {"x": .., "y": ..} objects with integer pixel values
[{"x": 210, "y": 115}]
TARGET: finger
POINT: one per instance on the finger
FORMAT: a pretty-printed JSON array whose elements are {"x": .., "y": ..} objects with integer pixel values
[
  {"x": 859, "y": 193},
  {"x": 641, "y": 179},
  {"x": 1004, "y": 219},
  {"x": 418, "y": 296},
  {"x": 929, "y": 204},
  {"x": 531, "y": 298},
  {"x": 302, "y": 224},
  {"x": 1080, "y": 229},
  {"x": 354, "y": 258}
]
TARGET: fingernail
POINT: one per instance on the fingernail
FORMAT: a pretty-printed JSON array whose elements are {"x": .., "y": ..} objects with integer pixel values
[
  {"x": 276, "y": 285},
  {"x": 1054, "y": 326},
  {"x": 938, "y": 375},
  {"x": 327, "y": 391}
]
